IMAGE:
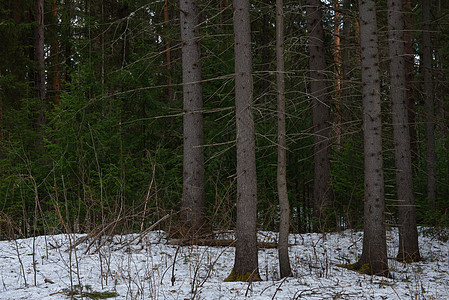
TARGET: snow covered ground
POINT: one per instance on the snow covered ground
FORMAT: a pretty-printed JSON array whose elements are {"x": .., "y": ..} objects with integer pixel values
[{"x": 151, "y": 269}]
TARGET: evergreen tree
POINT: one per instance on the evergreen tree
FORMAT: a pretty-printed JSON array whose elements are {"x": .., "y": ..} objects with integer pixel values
[
  {"x": 246, "y": 259},
  {"x": 374, "y": 253},
  {"x": 322, "y": 188},
  {"x": 429, "y": 104},
  {"x": 408, "y": 233},
  {"x": 193, "y": 198}
]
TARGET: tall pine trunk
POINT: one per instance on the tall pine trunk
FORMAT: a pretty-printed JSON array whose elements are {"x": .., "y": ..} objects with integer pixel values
[
  {"x": 39, "y": 58},
  {"x": 322, "y": 189},
  {"x": 54, "y": 53},
  {"x": 409, "y": 76},
  {"x": 67, "y": 12},
  {"x": 429, "y": 105},
  {"x": 193, "y": 198},
  {"x": 246, "y": 266},
  {"x": 408, "y": 233},
  {"x": 374, "y": 253},
  {"x": 284, "y": 207},
  {"x": 338, "y": 73},
  {"x": 168, "y": 52}
]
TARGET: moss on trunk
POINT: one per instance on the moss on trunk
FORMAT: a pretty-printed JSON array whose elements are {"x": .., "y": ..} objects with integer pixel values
[{"x": 247, "y": 277}]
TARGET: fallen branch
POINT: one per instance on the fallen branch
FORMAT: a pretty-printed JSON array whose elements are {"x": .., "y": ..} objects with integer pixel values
[{"x": 216, "y": 243}]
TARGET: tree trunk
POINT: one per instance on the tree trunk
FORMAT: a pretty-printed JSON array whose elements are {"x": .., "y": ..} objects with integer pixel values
[
  {"x": 168, "y": 52},
  {"x": 39, "y": 58},
  {"x": 374, "y": 254},
  {"x": 349, "y": 60},
  {"x": 54, "y": 53},
  {"x": 323, "y": 193},
  {"x": 337, "y": 48},
  {"x": 266, "y": 50},
  {"x": 103, "y": 54},
  {"x": 193, "y": 198},
  {"x": 284, "y": 207},
  {"x": 429, "y": 105},
  {"x": 246, "y": 262},
  {"x": 408, "y": 233},
  {"x": 409, "y": 77},
  {"x": 1, "y": 120},
  {"x": 66, "y": 43},
  {"x": 338, "y": 73}
]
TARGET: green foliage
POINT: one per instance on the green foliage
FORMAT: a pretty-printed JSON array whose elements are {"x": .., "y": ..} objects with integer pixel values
[
  {"x": 348, "y": 182},
  {"x": 102, "y": 142},
  {"x": 429, "y": 214}
]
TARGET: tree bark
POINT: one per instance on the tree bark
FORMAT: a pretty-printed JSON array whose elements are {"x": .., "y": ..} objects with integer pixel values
[
  {"x": 39, "y": 58},
  {"x": 266, "y": 50},
  {"x": 284, "y": 206},
  {"x": 66, "y": 44},
  {"x": 374, "y": 253},
  {"x": 102, "y": 45},
  {"x": 349, "y": 60},
  {"x": 429, "y": 105},
  {"x": 337, "y": 48},
  {"x": 338, "y": 73},
  {"x": 193, "y": 198},
  {"x": 168, "y": 52},
  {"x": 408, "y": 233},
  {"x": 409, "y": 77},
  {"x": 246, "y": 259},
  {"x": 323, "y": 193},
  {"x": 54, "y": 53}
]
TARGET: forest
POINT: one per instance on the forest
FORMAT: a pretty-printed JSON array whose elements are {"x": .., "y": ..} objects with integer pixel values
[{"x": 208, "y": 116}]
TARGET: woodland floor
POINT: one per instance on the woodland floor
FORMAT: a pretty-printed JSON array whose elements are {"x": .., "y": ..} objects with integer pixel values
[{"x": 148, "y": 267}]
